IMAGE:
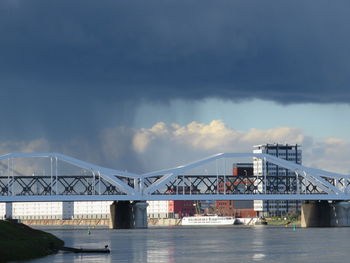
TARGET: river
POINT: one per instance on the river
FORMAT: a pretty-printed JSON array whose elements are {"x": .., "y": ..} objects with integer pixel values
[{"x": 207, "y": 244}]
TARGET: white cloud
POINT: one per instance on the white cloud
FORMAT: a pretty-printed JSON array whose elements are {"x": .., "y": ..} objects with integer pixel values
[
  {"x": 23, "y": 165},
  {"x": 332, "y": 154},
  {"x": 167, "y": 145},
  {"x": 37, "y": 145},
  {"x": 215, "y": 136}
]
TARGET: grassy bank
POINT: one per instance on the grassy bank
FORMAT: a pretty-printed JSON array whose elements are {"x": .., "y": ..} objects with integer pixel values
[
  {"x": 20, "y": 242},
  {"x": 286, "y": 221}
]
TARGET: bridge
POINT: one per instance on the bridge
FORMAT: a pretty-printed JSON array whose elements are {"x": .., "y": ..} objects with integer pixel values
[
  {"x": 206, "y": 179},
  {"x": 193, "y": 181}
]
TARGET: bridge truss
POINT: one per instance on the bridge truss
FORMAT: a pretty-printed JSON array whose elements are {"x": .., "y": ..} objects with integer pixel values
[{"x": 194, "y": 181}]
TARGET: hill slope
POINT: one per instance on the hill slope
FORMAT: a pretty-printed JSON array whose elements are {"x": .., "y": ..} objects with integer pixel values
[{"x": 19, "y": 242}]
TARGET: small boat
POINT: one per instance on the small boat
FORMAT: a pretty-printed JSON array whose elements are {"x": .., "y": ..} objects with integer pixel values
[
  {"x": 209, "y": 220},
  {"x": 85, "y": 250},
  {"x": 261, "y": 221}
]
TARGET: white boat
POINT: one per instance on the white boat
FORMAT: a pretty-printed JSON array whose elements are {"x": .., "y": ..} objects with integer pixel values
[{"x": 213, "y": 220}]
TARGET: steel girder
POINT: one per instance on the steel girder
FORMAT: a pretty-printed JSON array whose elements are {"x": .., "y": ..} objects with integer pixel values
[
  {"x": 119, "y": 179},
  {"x": 307, "y": 181},
  {"x": 173, "y": 184}
]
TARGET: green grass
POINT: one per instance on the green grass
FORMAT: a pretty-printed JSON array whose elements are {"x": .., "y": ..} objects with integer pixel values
[
  {"x": 20, "y": 242},
  {"x": 278, "y": 221}
]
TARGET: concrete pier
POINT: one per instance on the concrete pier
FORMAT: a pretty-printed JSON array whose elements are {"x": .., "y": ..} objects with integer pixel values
[
  {"x": 125, "y": 215},
  {"x": 120, "y": 215},
  {"x": 340, "y": 214},
  {"x": 139, "y": 210},
  {"x": 315, "y": 214},
  {"x": 325, "y": 214}
]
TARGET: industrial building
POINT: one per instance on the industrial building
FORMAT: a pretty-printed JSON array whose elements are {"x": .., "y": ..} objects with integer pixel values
[
  {"x": 292, "y": 153},
  {"x": 170, "y": 209},
  {"x": 158, "y": 209},
  {"x": 237, "y": 208},
  {"x": 89, "y": 210},
  {"x": 55, "y": 210}
]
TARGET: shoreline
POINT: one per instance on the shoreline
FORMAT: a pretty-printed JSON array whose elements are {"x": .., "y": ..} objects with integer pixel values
[
  {"x": 21, "y": 242},
  {"x": 153, "y": 222}
]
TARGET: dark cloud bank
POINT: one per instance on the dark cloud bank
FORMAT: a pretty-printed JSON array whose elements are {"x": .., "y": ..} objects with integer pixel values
[{"x": 70, "y": 67}]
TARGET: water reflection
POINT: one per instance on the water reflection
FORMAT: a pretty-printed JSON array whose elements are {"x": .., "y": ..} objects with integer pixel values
[
  {"x": 258, "y": 257},
  {"x": 209, "y": 244}
]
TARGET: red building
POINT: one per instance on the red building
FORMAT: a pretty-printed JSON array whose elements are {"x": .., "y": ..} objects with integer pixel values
[
  {"x": 237, "y": 208},
  {"x": 182, "y": 208}
]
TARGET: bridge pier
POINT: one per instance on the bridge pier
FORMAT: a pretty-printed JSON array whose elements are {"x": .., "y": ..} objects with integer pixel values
[
  {"x": 325, "y": 214},
  {"x": 340, "y": 214},
  {"x": 315, "y": 214},
  {"x": 139, "y": 209},
  {"x": 126, "y": 215},
  {"x": 120, "y": 217}
]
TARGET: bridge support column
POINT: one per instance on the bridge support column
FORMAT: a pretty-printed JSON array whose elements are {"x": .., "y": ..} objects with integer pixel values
[
  {"x": 125, "y": 215},
  {"x": 316, "y": 214},
  {"x": 139, "y": 209},
  {"x": 121, "y": 214},
  {"x": 324, "y": 214},
  {"x": 340, "y": 214}
]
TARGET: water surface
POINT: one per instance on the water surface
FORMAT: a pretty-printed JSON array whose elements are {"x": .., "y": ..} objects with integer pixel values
[{"x": 209, "y": 244}]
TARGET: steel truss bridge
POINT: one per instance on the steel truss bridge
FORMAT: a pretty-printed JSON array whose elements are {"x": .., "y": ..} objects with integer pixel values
[{"x": 98, "y": 183}]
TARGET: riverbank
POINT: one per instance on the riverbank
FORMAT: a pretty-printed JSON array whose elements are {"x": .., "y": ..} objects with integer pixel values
[
  {"x": 20, "y": 242},
  {"x": 66, "y": 222},
  {"x": 275, "y": 221},
  {"x": 96, "y": 222},
  {"x": 164, "y": 222}
]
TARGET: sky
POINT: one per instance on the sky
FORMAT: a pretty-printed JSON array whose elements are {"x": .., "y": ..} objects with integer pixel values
[{"x": 142, "y": 85}]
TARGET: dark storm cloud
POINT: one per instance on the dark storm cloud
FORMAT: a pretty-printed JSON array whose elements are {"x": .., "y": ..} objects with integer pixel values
[{"x": 75, "y": 65}]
